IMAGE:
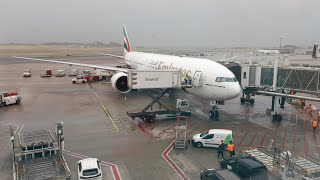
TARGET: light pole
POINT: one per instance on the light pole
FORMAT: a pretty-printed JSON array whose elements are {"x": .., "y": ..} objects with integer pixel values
[{"x": 14, "y": 157}]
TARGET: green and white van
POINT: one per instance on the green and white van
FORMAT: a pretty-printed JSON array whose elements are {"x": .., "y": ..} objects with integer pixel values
[{"x": 212, "y": 138}]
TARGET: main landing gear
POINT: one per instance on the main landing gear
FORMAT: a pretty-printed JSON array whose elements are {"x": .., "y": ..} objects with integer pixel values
[{"x": 214, "y": 112}]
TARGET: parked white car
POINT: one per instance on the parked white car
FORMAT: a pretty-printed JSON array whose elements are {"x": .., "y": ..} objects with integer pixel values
[{"x": 89, "y": 169}]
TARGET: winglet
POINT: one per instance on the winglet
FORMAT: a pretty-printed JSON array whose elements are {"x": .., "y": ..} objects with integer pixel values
[{"x": 126, "y": 45}]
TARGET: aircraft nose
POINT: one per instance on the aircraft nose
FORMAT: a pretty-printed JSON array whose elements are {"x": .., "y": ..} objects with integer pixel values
[{"x": 234, "y": 90}]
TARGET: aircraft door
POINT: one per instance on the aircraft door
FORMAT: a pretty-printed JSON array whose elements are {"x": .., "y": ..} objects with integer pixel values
[
  {"x": 196, "y": 80},
  {"x": 175, "y": 80}
]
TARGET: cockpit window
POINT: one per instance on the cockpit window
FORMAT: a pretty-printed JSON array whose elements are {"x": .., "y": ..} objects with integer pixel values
[
  {"x": 226, "y": 79},
  {"x": 229, "y": 80},
  {"x": 235, "y": 79}
]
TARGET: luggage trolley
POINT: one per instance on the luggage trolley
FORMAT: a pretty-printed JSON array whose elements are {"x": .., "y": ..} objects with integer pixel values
[{"x": 181, "y": 133}]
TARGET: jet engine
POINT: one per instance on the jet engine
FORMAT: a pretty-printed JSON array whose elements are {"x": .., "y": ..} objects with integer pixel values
[{"x": 119, "y": 82}]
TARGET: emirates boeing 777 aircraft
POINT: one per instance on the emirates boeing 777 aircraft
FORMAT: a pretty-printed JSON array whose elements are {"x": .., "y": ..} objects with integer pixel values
[{"x": 210, "y": 80}]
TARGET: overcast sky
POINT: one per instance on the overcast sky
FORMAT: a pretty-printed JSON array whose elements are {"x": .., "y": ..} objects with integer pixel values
[{"x": 163, "y": 23}]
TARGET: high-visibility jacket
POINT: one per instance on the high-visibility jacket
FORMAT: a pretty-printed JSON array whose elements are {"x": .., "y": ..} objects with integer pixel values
[
  {"x": 315, "y": 123},
  {"x": 230, "y": 147}
]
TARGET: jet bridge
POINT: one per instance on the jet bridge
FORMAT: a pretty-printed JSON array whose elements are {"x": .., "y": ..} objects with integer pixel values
[{"x": 304, "y": 79}]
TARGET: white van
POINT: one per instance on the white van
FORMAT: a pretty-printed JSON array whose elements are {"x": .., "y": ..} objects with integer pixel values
[{"x": 212, "y": 138}]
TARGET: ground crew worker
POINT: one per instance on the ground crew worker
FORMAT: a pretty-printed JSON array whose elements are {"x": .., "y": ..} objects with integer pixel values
[
  {"x": 231, "y": 149},
  {"x": 314, "y": 125},
  {"x": 221, "y": 148},
  {"x": 185, "y": 79},
  {"x": 189, "y": 79},
  {"x": 303, "y": 103}
]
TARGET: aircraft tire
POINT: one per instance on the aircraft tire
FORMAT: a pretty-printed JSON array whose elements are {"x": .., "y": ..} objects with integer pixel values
[
  {"x": 242, "y": 100},
  {"x": 211, "y": 114},
  {"x": 216, "y": 114}
]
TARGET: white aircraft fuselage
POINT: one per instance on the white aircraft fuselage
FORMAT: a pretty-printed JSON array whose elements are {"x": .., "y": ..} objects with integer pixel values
[{"x": 218, "y": 83}]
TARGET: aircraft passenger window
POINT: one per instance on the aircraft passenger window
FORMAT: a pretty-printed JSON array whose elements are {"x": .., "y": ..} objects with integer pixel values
[{"x": 244, "y": 75}]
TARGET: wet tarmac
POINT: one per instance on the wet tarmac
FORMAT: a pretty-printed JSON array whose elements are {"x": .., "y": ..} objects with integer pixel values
[{"x": 136, "y": 150}]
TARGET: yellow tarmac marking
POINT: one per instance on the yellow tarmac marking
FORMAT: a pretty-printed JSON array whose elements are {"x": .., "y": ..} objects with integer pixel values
[{"x": 105, "y": 109}]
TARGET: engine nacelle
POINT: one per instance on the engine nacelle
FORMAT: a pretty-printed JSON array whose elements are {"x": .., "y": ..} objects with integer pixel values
[{"x": 119, "y": 82}]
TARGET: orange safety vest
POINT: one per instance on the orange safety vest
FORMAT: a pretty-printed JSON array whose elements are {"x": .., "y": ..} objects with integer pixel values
[
  {"x": 315, "y": 123},
  {"x": 230, "y": 147}
]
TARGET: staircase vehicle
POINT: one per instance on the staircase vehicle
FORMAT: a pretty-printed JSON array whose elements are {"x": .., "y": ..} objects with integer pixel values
[{"x": 181, "y": 133}]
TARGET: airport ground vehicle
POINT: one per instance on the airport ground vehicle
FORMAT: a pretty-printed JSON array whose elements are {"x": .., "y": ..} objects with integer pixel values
[
  {"x": 246, "y": 167},
  {"x": 27, "y": 73},
  {"x": 103, "y": 74},
  {"x": 212, "y": 138},
  {"x": 9, "y": 97},
  {"x": 147, "y": 116},
  {"x": 89, "y": 169},
  {"x": 218, "y": 174},
  {"x": 47, "y": 73},
  {"x": 85, "y": 78},
  {"x": 60, "y": 73},
  {"x": 79, "y": 79},
  {"x": 86, "y": 72},
  {"x": 73, "y": 72}
]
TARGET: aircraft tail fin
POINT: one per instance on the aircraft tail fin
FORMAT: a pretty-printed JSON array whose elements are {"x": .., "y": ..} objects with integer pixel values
[{"x": 126, "y": 44}]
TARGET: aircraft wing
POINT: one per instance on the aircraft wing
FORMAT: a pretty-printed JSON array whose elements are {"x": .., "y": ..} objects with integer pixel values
[
  {"x": 76, "y": 64},
  {"x": 112, "y": 55}
]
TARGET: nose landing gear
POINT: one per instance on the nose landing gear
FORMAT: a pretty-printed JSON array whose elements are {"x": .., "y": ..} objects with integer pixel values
[{"x": 214, "y": 112}]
